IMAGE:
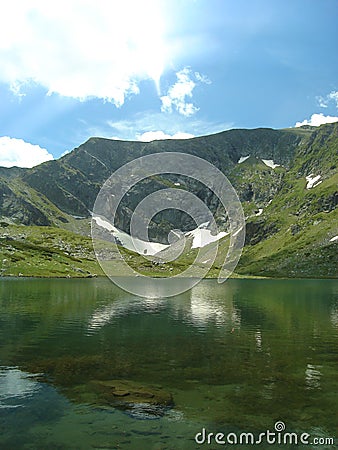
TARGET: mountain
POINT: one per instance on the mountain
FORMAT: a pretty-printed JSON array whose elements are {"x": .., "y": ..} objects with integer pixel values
[{"x": 286, "y": 180}]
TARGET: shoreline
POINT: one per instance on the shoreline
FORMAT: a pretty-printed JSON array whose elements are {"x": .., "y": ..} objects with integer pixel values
[{"x": 94, "y": 276}]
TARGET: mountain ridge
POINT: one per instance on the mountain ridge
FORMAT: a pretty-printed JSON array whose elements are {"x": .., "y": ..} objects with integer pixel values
[{"x": 61, "y": 193}]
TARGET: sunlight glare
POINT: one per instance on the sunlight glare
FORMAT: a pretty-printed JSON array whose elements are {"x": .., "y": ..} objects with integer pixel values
[{"x": 82, "y": 48}]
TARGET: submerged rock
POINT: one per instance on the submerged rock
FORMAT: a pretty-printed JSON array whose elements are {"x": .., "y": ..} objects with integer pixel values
[
  {"x": 131, "y": 391},
  {"x": 139, "y": 400}
]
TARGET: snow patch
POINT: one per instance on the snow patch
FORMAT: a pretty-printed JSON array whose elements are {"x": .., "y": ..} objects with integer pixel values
[
  {"x": 259, "y": 212},
  {"x": 177, "y": 184},
  {"x": 104, "y": 224},
  {"x": 335, "y": 238},
  {"x": 202, "y": 237},
  {"x": 312, "y": 181},
  {"x": 270, "y": 163},
  {"x": 204, "y": 225},
  {"x": 242, "y": 159},
  {"x": 133, "y": 244}
]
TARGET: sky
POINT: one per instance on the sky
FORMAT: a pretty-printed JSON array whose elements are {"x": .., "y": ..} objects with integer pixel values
[{"x": 160, "y": 69}]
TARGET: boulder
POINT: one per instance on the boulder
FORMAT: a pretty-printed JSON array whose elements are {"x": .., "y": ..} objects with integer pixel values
[{"x": 112, "y": 391}]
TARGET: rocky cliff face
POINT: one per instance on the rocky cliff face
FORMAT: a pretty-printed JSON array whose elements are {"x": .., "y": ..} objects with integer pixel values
[{"x": 72, "y": 182}]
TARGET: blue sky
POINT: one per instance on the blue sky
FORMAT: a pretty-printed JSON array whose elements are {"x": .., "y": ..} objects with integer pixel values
[{"x": 142, "y": 70}]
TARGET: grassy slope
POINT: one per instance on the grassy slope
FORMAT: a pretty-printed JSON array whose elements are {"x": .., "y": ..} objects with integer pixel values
[
  {"x": 53, "y": 252},
  {"x": 305, "y": 220},
  {"x": 45, "y": 251}
]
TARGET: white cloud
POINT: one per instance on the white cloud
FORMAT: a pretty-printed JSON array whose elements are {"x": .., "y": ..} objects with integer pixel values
[
  {"x": 16, "y": 87},
  {"x": 331, "y": 97},
  {"x": 169, "y": 124},
  {"x": 159, "y": 135},
  {"x": 178, "y": 93},
  {"x": 334, "y": 96},
  {"x": 322, "y": 101},
  {"x": 17, "y": 152},
  {"x": 82, "y": 48},
  {"x": 317, "y": 119},
  {"x": 202, "y": 78}
]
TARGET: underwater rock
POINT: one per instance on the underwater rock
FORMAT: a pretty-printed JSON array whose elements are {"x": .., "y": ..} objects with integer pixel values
[
  {"x": 139, "y": 400},
  {"x": 132, "y": 392}
]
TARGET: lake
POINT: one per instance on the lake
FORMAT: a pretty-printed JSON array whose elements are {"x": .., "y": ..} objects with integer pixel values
[{"x": 85, "y": 365}]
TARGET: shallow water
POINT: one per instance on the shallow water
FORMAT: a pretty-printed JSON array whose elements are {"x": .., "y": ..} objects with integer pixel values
[{"x": 236, "y": 357}]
